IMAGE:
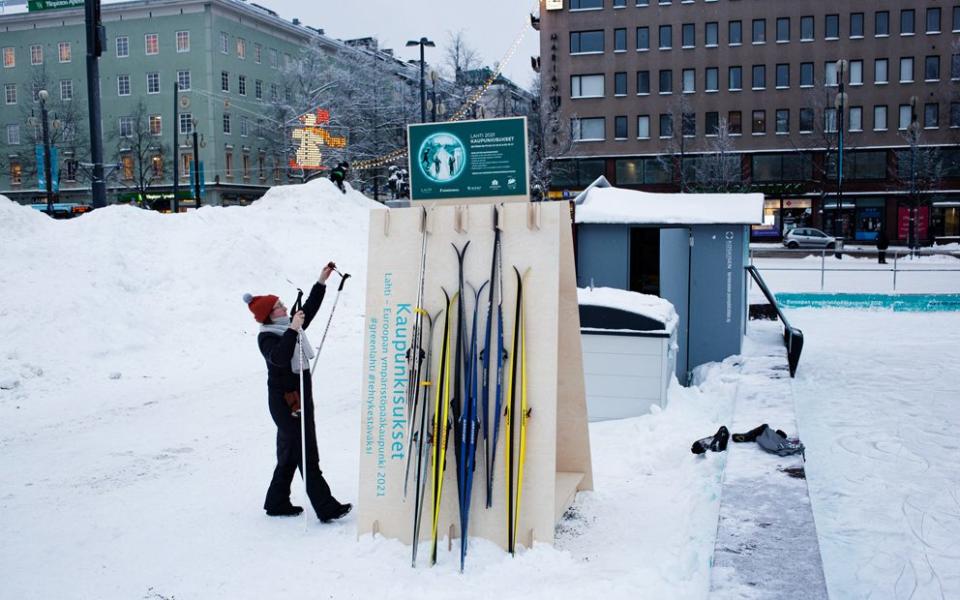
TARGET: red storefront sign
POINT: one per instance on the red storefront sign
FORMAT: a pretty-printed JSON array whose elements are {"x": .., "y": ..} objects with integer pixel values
[{"x": 903, "y": 222}]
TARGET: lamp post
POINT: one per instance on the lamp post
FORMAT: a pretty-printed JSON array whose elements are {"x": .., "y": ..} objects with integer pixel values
[
  {"x": 196, "y": 164},
  {"x": 423, "y": 43},
  {"x": 433, "y": 97},
  {"x": 914, "y": 129},
  {"x": 47, "y": 167},
  {"x": 839, "y": 102}
]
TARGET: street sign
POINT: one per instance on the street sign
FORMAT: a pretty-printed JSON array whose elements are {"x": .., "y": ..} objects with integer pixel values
[
  {"x": 37, "y": 5},
  {"x": 54, "y": 165},
  {"x": 193, "y": 180},
  {"x": 468, "y": 159}
]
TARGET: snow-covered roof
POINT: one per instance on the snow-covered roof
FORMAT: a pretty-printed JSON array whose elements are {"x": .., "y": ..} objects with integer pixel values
[
  {"x": 612, "y": 205},
  {"x": 652, "y": 307}
]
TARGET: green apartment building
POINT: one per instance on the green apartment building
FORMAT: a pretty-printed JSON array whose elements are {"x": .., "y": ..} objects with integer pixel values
[{"x": 224, "y": 55}]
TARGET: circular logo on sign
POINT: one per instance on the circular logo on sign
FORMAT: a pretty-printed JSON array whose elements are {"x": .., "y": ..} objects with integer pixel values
[{"x": 442, "y": 157}]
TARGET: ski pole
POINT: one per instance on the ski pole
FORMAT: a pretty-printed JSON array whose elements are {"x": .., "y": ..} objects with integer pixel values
[
  {"x": 303, "y": 427},
  {"x": 343, "y": 279}
]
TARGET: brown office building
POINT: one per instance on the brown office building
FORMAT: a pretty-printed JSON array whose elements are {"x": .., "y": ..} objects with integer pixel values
[{"x": 718, "y": 95}]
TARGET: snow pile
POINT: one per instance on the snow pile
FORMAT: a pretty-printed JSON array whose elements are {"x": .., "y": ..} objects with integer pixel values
[
  {"x": 136, "y": 443},
  {"x": 653, "y": 307},
  {"x": 621, "y": 206}
]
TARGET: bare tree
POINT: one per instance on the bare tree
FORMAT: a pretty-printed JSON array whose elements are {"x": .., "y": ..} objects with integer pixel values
[
  {"x": 140, "y": 151},
  {"x": 718, "y": 168},
  {"x": 919, "y": 171},
  {"x": 550, "y": 139},
  {"x": 459, "y": 55},
  {"x": 682, "y": 132}
]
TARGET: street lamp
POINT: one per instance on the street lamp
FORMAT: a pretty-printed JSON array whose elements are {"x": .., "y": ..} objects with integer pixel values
[
  {"x": 839, "y": 101},
  {"x": 423, "y": 43},
  {"x": 196, "y": 164},
  {"x": 47, "y": 167}
]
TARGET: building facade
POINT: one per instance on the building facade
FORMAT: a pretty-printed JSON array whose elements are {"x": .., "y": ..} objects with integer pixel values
[
  {"x": 655, "y": 91},
  {"x": 226, "y": 58}
]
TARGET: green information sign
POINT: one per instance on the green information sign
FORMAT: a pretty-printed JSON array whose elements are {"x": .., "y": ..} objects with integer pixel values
[
  {"x": 35, "y": 5},
  {"x": 468, "y": 159}
]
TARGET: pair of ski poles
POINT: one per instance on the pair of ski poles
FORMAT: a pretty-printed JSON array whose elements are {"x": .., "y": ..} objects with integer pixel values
[{"x": 303, "y": 400}]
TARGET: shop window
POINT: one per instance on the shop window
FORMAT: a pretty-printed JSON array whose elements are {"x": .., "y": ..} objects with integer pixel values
[{"x": 770, "y": 226}]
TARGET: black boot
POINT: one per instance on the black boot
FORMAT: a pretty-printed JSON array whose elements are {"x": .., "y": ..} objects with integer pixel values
[
  {"x": 719, "y": 441},
  {"x": 286, "y": 511},
  {"x": 336, "y": 513},
  {"x": 750, "y": 436}
]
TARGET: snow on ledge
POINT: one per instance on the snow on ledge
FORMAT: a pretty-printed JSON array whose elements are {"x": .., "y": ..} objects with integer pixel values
[
  {"x": 650, "y": 306},
  {"x": 611, "y": 205}
]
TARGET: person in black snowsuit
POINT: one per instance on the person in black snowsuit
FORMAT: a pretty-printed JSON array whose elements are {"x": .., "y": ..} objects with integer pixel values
[
  {"x": 339, "y": 174},
  {"x": 278, "y": 344},
  {"x": 883, "y": 242}
]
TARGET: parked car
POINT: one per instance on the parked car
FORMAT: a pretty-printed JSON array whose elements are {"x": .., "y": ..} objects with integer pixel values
[{"x": 808, "y": 237}]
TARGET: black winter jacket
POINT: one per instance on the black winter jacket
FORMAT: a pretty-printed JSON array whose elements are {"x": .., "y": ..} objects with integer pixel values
[{"x": 279, "y": 350}]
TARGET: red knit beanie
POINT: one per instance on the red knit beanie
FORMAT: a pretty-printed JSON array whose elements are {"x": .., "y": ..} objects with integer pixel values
[{"x": 260, "y": 306}]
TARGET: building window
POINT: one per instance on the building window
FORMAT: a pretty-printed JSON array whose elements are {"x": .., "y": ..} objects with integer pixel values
[
  {"x": 712, "y": 79},
  {"x": 244, "y": 127},
  {"x": 955, "y": 67},
  {"x": 643, "y": 82},
  {"x": 856, "y": 72},
  {"x": 688, "y": 35},
  {"x": 274, "y": 91},
  {"x": 186, "y": 123},
  {"x": 830, "y": 120},
  {"x": 242, "y": 85},
  {"x": 591, "y": 129},
  {"x": 783, "y": 121},
  {"x": 806, "y": 120},
  {"x": 620, "y": 127},
  {"x": 66, "y": 90},
  {"x": 712, "y": 123},
  {"x": 783, "y": 29},
  {"x": 806, "y": 74},
  {"x": 123, "y": 85},
  {"x": 261, "y": 161},
  {"x": 619, "y": 40},
  {"x": 157, "y": 163},
  {"x": 257, "y": 53},
  {"x": 586, "y": 86},
  {"x": 666, "y": 125},
  {"x": 581, "y": 42},
  {"x": 856, "y": 25},
  {"x": 643, "y": 127},
  {"x": 258, "y": 89},
  {"x": 666, "y": 81},
  {"x": 907, "y": 22},
  {"x": 620, "y": 84},
  {"x": 643, "y": 3},
  {"x": 10, "y": 93},
  {"x": 880, "y": 117},
  {"x": 759, "y": 122},
  {"x": 955, "y": 114},
  {"x": 9, "y": 57},
  {"x": 226, "y": 123},
  {"x": 241, "y": 48},
  {"x": 126, "y": 166},
  {"x": 906, "y": 69},
  {"x": 689, "y": 81},
  {"x": 151, "y": 41},
  {"x": 183, "y": 81},
  {"x": 783, "y": 76},
  {"x": 711, "y": 34},
  {"x": 688, "y": 124},
  {"x": 36, "y": 54},
  {"x": 123, "y": 46},
  {"x": 830, "y": 74},
  {"x": 956, "y": 19},
  {"x": 759, "y": 77},
  {"x": 224, "y": 43},
  {"x": 831, "y": 28},
  {"x": 881, "y": 23},
  {"x": 275, "y": 60},
  {"x": 153, "y": 83},
  {"x": 643, "y": 38},
  {"x": 16, "y": 173},
  {"x": 905, "y": 117},
  {"x": 933, "y": 20},
  {"x": 13, "y": 134},
  {"x": 856, "y": 118},
  {"x": 735, "y": 122},
  {"x": 880, "y": 71},
  {"x": 759, "y": 31},
  {"x": 228, "y": 163},
  {"x": 735, "y": 78},
  {"x": 931, "y": 68},
  {"x": 585, "y": 4},
  {"x": 183, "y": 41},
  {"x": 63, "y": 51},
  {"x": 224, "y": 81},
  {"x": 735, "y": 33},
  {"x": 666, "y": 37},
  {"x": 807, "y": 29},
  {"x": 156, "y": 124},
  {"x": 126, "y": 126},
  {"x": 931, "y": 115}
]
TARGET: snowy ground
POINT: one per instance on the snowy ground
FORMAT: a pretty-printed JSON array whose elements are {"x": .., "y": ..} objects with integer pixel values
[{"x": 136, "y": 446}]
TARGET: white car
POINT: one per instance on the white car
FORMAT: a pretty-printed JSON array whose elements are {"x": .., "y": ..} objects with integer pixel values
[{"x": 808, "y": 237}]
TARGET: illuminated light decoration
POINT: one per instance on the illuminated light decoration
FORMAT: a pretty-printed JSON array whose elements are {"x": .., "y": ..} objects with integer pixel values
[
  {"x": 462, "y": 112},
  {"x": 310, "y": 137}
]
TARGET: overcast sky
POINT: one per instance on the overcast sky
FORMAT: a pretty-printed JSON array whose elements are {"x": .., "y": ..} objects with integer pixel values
[{"x": 490, "y": 26}]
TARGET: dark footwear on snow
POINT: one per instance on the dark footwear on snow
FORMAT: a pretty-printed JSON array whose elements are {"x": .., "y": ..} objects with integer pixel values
[
  {"x": 338, "y": 512},
  {"x": 286, "y": 511},
  {"x": 750, "y": 436},
  {"x": 720, "y": 439},
  {"x": 702, "y": 445}
]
